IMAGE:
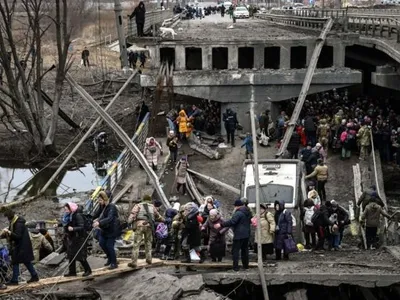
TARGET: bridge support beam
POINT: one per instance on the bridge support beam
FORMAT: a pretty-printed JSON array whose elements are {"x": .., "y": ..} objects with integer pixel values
[
  {"x": 259, "y": 57},
  {"x": 339, "y": 51},
  {"x": 285, "y": 57},
  {"x": 206, "y": 53},
  {"x": 386, "y": 76},
  {"x": 233, "y": 57},
  {"x": 180, "y": 58}
]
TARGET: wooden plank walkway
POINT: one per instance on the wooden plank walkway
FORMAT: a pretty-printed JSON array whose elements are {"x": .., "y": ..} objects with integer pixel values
[{"x": 48, "y": 282}]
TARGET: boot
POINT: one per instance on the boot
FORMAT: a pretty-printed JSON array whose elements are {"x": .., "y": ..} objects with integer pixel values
[
  {"x": 86, "y": 267},
  {"x": 187, "y": 257},
  {"x": 203, "y": 256},
  {"x": 33, "y": 279}
]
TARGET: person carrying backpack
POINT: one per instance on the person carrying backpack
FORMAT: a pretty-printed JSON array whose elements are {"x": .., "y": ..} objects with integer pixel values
[
  {"x": 164, "y": 232},
  {"x": 347, "y": 138},
  {"x": 76, "y": 239},
  {"x": 143, "y": 216},
  {"x": 107, "y": 220},
  {"x": 308, "y": 226},
  {"x": 268, "y": 225}
]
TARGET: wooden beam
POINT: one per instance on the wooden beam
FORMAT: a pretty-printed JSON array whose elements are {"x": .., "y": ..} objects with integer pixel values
[
  {"x": 123, "y": 268},
  {"x": 306, "y": 85}
]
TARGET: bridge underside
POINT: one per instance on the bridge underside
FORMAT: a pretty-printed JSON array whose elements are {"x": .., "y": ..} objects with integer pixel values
[{"x": 232, "y": 87}]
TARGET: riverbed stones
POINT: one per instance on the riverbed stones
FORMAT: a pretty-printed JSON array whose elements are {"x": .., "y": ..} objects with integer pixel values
[{"x": 191, "y": 285}]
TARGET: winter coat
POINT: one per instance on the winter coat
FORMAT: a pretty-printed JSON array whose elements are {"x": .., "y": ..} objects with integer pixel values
[
  {"x": 284, "y": 225},
  {"x": 152, "y": 153},
  {"x": 139, "y": 13},
  {"x": 321, "y": 172},
  {"x": 191, "y": 231},
  {"x": 313, "y": 158},
  {"x": 230, "y": 120},
  {"x": 369, "y": 196},
  {"x": 215, "y": 235},
  {"x": 182, "y": 120},
  {"x": 240, "y": 222},
  {"x": 248, "y": 142},
  {"x": 181, "y": 171},
  {"x": 371, "y": 215},
  {"x": 321, "y": 217},
  {"x": 309, "y": 124},
  {"x": 20, "y": 243},
  {"x": 39, "y": 242},
  {"x": 364, "y": 136},
  {"x": 343, "y": 216},
  {"x": 108, "y": 221},
  {"x": 76, "y": 245},
  {"x": 305, "y": 153},
  {"x": 267, "y": 228},
  {"x": 294, "y": 142}
]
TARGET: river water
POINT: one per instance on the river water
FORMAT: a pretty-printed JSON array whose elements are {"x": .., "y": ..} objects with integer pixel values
[{"x": 21, "y": 183}]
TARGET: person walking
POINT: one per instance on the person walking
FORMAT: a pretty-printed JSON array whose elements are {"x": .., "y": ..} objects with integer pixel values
[
  {"x": 230, "y": 120},
  {"x": 321, "y": 223},
  {"x": 368, "y": 196},
  {"x": 106, "y": 219},
  {"x": 180, "y": 173},
  {"x": 371, "y": 220},
  {"x": 294, "y": 145},
  {"x": 85, "y": 57},
  {"x": 143, "y": 217},
  {"x": 268, "y": 227},
  {"x": 76, "y": 239},
  {"x": 308, "y": 226},
  {"x": 283, "y": 230},
  {"x": 240, "y": 222},
  {"x": 216, "y": 242},
  {"x": 172, "y": 143},
  {"x": 140, "y": 16},
  {"x": 152, "y": 151},
  {"x": 20, "y": 246},
  {"x": 321, "y": 173},
  {"x": 364, "y": 137},
  {"x": 39, "y": 243},
  {"x": 248, "y": 143}
]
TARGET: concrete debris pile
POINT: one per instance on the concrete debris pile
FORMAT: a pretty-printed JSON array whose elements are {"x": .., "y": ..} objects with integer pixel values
[
  {"x": 196, "y": 144},
  {"x": 153, "y": 285}
]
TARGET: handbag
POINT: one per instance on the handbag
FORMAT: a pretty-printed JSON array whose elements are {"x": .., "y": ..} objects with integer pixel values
[
  {"x": 289, "y": 245},
  {"x": 194, "y": 257}
]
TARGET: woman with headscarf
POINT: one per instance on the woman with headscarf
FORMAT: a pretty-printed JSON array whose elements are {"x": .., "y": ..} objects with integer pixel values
[
  {"x": 216, "y": 242},
  {"x": 76, "y": 239},
  {"x": 181, "y": 171}
]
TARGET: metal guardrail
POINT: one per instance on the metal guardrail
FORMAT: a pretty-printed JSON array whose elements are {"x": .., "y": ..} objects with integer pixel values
[
  {"x": 374, "y": 11},
  {"x": 370, "y": 25},
  {"x": 152, "y": 18},
  {"x": 124, "y": 161}
]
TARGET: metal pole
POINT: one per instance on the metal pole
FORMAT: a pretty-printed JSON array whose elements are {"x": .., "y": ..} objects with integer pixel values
[
  {"x": 121, "y": 34},
  {"x": 85, "y": 136},
  {"x": 257, "y": 185},
  {"x": 123, "y": 136}
]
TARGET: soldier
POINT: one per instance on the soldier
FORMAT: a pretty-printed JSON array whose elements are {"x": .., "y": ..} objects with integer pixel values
[
  {"x": 143, "y": 216},
  {"x": 364, "y": 137},
  {"x": 323, "y": 133}
]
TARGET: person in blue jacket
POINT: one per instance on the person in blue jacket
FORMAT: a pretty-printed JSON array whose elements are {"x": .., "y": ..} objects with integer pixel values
[
  {"x": 248, "y": 143},
  {"x": 240, "y": 222}
]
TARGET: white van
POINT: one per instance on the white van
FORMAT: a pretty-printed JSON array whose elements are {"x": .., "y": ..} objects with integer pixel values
[{"x": 281, "y": 179}]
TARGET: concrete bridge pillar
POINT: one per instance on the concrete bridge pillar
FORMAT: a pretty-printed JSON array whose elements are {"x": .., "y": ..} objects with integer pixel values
[
  {"x": 206, "y": 58},
  {"x": 259, "y": 57},
  {"x": 339, "y": 52},
  {"x": 233, "y": 57},
  {"x": 310, "y": 50},
  {"x": 285, "y": 57},
  {"x": 180, "y": 58}
]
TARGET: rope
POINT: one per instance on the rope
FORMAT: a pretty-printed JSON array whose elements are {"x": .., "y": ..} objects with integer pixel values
[{"x": 226, "y": 297}]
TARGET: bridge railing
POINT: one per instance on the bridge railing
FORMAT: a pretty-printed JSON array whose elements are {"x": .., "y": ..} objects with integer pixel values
[
  {"x": 374, "y": 11},
  {"x": 124, "y": 161},
  {"x": 155, "y": 17},
  {"x": 375, "y": 26},
  {"x": 312, "y": 12}
]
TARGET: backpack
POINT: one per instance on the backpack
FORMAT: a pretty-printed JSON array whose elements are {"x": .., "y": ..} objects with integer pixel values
[
  {"x": 161, "y": 231},
  {"x": 87, "y": 222},
  {"x": 122, "y": 219},
  {"x": 349, "y": 137},
  {"x": 308, "y": 216}
]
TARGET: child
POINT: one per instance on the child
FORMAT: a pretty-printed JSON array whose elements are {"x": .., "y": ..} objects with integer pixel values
[{"x": 334, "y": 232}]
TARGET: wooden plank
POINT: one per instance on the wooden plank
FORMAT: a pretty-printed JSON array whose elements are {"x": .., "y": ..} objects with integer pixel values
[
  {"x": 306, "y": 85},
  {"x": 215, "y": 181},
  {"x": 122, "y": 192},
  {"x": 123, "y": 268},
  {"x": 221, "y": 265}
]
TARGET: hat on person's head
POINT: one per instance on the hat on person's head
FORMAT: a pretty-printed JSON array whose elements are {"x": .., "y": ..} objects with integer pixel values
[
  {"x": 334, "y": 203},
  {"x": 320, "y": 161},
  {"x": 318, "y": 145},
  {"x": 147, "y": 198},
  {"x": 171, "y": 132},
  {"x": 238, "y": 202},
  {"x": 31, "y": 225},
  {"x": 213, "y": 212},
  {"x": 157, "y": 203}
]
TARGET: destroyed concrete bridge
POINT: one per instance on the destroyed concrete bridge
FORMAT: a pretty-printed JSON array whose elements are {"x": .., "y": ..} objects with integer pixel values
[{"x": 216, "y": 59}]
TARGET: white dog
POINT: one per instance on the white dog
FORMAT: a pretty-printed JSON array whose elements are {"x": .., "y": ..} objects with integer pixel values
[{"x": 166, "y": 30}]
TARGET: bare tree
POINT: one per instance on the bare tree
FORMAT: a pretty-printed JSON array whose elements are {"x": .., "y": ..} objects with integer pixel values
[{"x": 21, "y": 40}]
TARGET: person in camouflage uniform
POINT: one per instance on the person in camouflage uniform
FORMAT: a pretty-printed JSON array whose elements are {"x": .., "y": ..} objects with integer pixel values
[
  {"x": 323, "y": 131},
  {"x": 364, "y": 138},
  {"x": 177, "y": 227},
  {"x": 143, "y": 216}
]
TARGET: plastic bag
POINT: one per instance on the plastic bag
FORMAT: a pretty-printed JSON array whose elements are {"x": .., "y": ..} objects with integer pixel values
[
  {"x": 194, "y": 257},
  {"x": 290, "y": 246}
]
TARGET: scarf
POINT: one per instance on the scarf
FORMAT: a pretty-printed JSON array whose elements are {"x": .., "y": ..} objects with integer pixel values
[{"x": 66, "y": 218}]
